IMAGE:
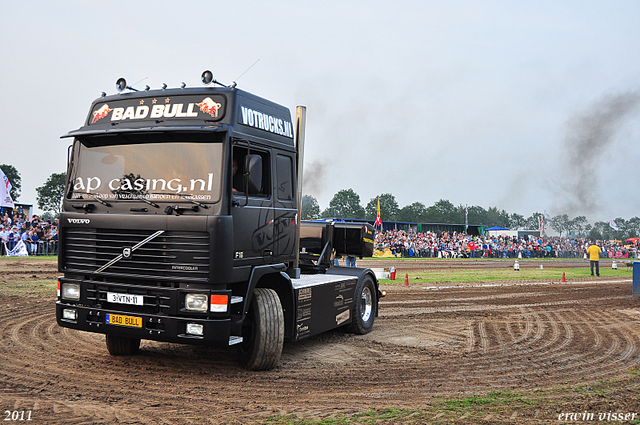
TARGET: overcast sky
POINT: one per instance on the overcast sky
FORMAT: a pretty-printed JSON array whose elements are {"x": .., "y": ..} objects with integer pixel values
[{"x": 526, "y": 106}]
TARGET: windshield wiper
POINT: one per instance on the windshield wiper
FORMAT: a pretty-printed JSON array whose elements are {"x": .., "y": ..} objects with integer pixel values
[
  {"x": 97, "y": 198},
  {"x": 186, "y": 196},
  {"x": 146, "y": 201},
  {"x": 86, "y": 207}
]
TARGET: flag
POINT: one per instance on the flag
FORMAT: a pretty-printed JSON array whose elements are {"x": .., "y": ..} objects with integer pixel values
[
  {"x": 548, "y": 217},
  {"x": 613, "y": 225},
  {"x": 20, "y": 250},
  {"x": 466, "y": 218},
  {"x": 5, "y": 189},
  {"x": 378, "y": 220}
]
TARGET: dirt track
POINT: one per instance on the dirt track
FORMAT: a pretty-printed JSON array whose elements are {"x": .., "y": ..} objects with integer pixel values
[{"x": 426, "y": 342}]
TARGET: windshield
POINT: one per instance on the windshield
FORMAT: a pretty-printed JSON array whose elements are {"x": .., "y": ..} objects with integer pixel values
[{"x": 165, "y": 171}]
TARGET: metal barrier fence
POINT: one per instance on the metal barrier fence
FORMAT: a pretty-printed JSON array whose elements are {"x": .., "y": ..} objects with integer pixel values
[{"x": 47, "y": 248}]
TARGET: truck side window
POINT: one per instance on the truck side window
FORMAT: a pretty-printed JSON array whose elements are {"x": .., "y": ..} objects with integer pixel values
[
  {"x": 237, "y": 172},
  {"x": 238, "y": 164},
  {"x": 284, "y": 172}
]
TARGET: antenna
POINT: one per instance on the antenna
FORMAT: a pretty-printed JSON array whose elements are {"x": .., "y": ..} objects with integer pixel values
[
  {"x": 247, "y": 69},
  {"x": 136, "y": 83}
]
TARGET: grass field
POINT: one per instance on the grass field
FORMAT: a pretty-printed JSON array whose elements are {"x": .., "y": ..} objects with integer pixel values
[
  {"x": 548, "y": 273},
  {"x": 500, "y": 407},
  {"x": 30, "y": 258}
]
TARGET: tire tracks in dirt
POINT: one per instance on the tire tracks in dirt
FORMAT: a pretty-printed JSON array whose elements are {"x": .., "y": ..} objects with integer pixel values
[{"x": 425, "y": 343}]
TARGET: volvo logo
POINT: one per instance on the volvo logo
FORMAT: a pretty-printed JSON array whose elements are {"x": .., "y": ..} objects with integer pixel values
[
  {"x": 126, "y": 252},
  {"x": 79, "y": 220}
]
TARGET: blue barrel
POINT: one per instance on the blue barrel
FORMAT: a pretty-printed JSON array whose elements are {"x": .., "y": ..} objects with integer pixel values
[{"x": 636, "y": 279}]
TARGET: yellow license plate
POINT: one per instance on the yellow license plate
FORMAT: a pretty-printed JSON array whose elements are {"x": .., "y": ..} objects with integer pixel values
[{"x": 116, "y": 319}]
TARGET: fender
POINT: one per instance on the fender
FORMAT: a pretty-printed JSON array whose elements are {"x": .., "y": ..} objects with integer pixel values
[{"x": 256, "y": 274}]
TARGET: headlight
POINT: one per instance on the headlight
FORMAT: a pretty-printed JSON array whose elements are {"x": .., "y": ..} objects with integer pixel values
[
  {"x": 69, "y": 314},
  {"x": 71, "y": 291},
  {"x": 196, "y": 302},
  {"x": 195, "y": 329}
]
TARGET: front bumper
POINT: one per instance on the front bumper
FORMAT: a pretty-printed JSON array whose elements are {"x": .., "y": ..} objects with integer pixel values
[{"x": 216, "y": 332}]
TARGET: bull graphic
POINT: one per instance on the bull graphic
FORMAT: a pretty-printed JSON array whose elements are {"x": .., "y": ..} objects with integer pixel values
[
  {"x": 209, "y": 106},
  {"x": 101, "y": 113}
]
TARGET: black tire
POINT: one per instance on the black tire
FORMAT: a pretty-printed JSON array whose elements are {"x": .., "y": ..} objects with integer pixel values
[
  {"x": 121, "y": 346},
  {"x": 262, "y": 332},
  {"x": 365, "y": 306}
]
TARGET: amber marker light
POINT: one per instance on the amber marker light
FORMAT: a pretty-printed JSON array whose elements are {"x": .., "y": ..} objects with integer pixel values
[{"x": 219, "y": 303}]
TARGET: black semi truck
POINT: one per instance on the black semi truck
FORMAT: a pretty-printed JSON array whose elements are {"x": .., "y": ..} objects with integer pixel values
[{"x": 181, "y": 223}]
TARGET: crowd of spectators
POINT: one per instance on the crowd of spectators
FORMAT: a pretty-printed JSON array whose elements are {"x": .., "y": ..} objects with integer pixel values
[
  {"x": 462, "y": 245},
  {"x": 40, "y": 237}
]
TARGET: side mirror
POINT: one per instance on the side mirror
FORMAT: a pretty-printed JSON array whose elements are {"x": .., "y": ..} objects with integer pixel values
[{"x": 253, "y": 165}]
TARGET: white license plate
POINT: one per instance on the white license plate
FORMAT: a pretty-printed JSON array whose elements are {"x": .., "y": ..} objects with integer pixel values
[{"x": 114, "y": 297}]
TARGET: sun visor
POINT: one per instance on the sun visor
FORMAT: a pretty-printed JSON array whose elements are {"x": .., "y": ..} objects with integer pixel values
[{"x": 88, "y": 131}]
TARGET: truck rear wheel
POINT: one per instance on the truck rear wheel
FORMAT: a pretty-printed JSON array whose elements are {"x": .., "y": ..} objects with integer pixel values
[
  {"x": 121, "y": 346},
  {"x": 262, "y": 331},
  {"x": 364, "y": 306}
]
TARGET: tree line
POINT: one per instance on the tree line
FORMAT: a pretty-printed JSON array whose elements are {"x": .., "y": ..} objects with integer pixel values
[{"x": 346, "y": 204}]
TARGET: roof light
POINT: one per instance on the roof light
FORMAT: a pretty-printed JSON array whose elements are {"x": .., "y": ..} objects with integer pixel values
[
  {"x": 121, "y": 84},
  {"x": 207, "y": 77}
]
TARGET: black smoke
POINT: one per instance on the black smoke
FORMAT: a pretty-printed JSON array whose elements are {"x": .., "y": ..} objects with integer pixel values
[
  {"x": 313, "y": 179},
  {"x": 589, "y": 143}
]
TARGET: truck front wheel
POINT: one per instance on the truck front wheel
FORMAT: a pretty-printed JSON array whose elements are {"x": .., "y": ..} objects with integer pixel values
[
  {"x": 121, "y": 346},
  {"x": 262, "y": 331},
  {"x": 364, "y": 306}
]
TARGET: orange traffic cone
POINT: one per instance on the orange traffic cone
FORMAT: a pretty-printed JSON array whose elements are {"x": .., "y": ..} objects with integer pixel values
[
  {"x": 406, "y": 279},
  {"x": 563, "y": 278}
]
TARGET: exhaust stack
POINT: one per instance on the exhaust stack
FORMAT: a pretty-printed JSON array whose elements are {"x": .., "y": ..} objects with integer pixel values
[{"x": 301, "y": 124}]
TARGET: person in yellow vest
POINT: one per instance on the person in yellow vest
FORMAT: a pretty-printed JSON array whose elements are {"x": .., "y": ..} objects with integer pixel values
[{"x": 594, "y": 252}]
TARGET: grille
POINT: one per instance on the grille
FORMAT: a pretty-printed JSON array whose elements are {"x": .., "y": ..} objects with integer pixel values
[{"x": 170, "y": 256}]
